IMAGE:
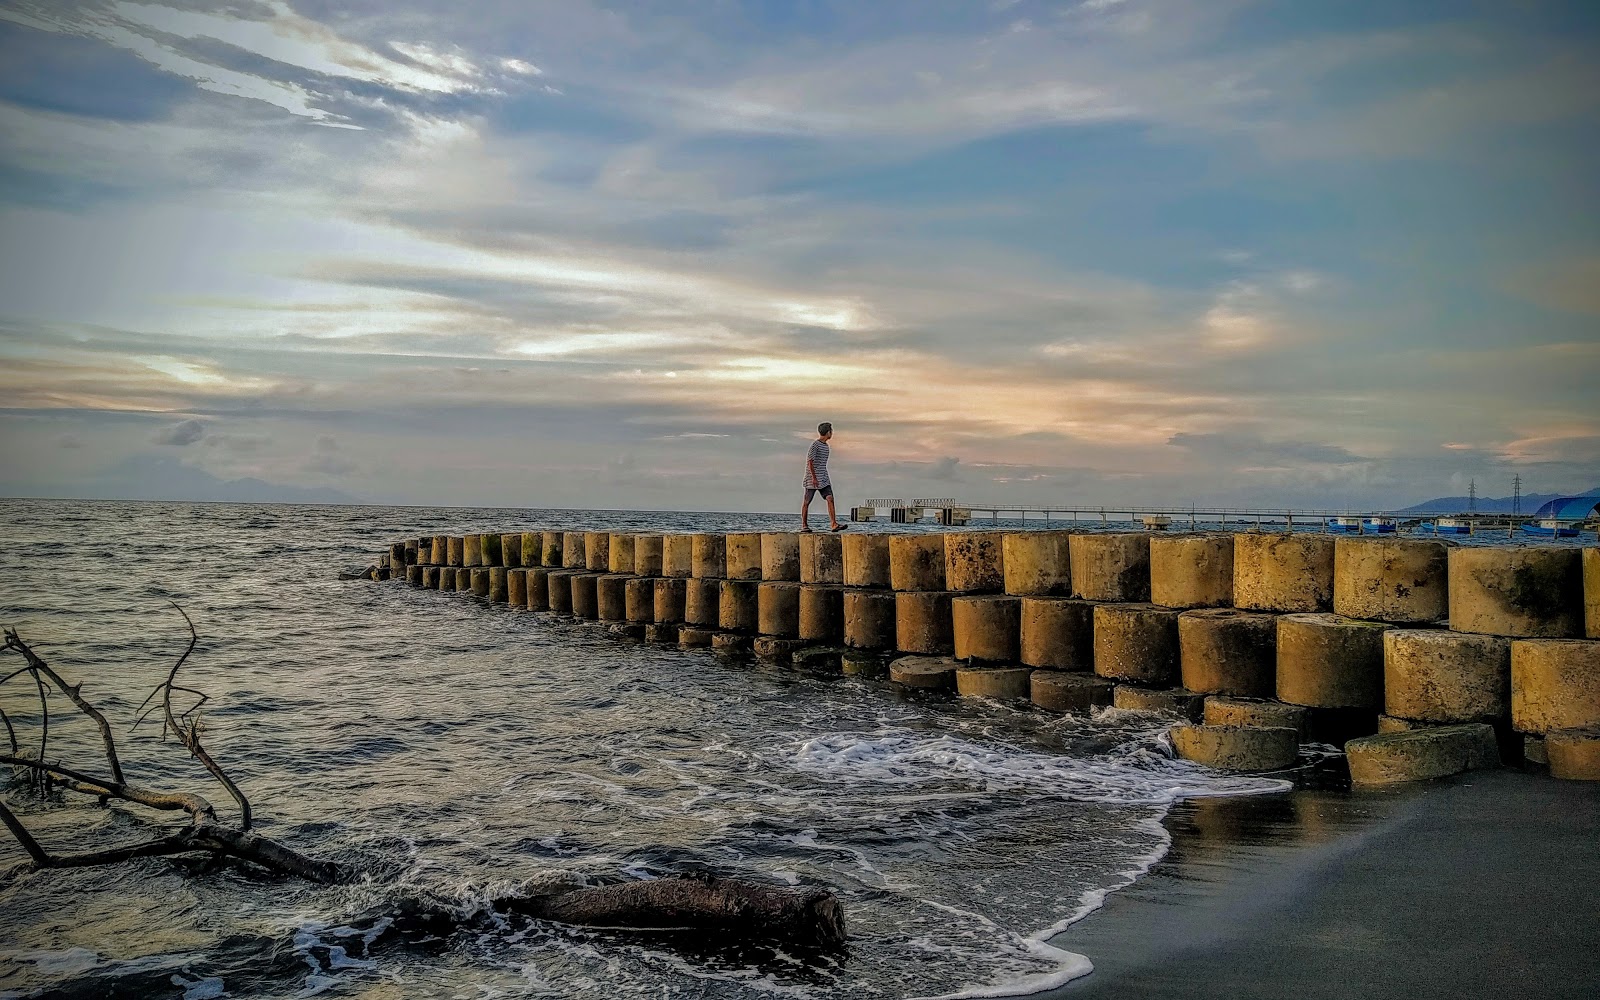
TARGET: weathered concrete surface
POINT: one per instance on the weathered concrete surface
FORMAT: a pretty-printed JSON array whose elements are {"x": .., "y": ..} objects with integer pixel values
[
  {"x": 1227, "y": 651},
  {"x": 1574, "y": 754},
  {"x": 1136, "y": 642},
  {"x": 780, "y": 556},
  {"x": 863, "y": 663},
  {"x": 1284, "y": 572},
  {"x": 1060, "y": 691},
  {"x": 539, "y": 589},
  {"x": 511, "y": 549},
  {"x": 531, "y": 549},
  {"x": 1393, "y": 724},
  {"x": 1421, "y": 754},
  {"x": 558, "y": 590},
  {"x": 440, "y": 555},
  {"x": 597, "y": 551},
  {"x": 1591, "y": 592},
  {"x": 447, "y": 579},
  {"x": 1177, "y": 702},
  {"x": 708, "y": 553},
  {"x": 1038, "y": 563},
  {"x": 778, "y": 609},
  {"x": 929, "y": 672},
  {"x": 866, "y": 559},
  {"x": 671, "y": 597},
  {"x": 472, "y": 550},
  {"x": 777, "y": 649},
  {"x": 916, "y": 561},
  {"x": 1191, "y": 571},
  {"x": 1555, "y": 684},
  {"x": 455, "y": 546},
  {"x": 573, "y": 550},
  {"x": 647, "y": 555},
  {"x": 869, "y": 619},
  {"x": 517, "y": 588},
  {"x": 661, "y": 632},
  {"x": 738, "y": 606},
  {"x": 1000, "y": 683},
  {"x": 611, "y": 597},
  {"x": 1325, "y": 661},
  {"x": 553, "y": 549},
  {"x": 986, "y": 628},
  {"x": 463, "y": 580},
  {"x": 434, "y": 573},
  {"x": 1236, "y": 748},
  {"x": 480, "y": 581},
  {"x": 677, "y": 556},
  {"x": 1400, "y": 580},
  {"x": 695, "y": 637},
  {"x": 621, "y": 553},
  {"x": 922, "y": 622},
  {"x": 821, "y": 613},
  {"x": 639, "y": 601},
  {"x": 974, "y": 562},
  {"x": 743, "y": 554},
  {"x": 731, "y": 642},
  {"x": 821, "y": 557},
  {"x": 628, "y": 630},
  {"x": 702, "y": 602},
  {"x": 498, "y": 589},
  {"x": 586, "y": 596},
  {"x": 1111, "y": 567},
  {"x": 1432, "y": 675},
  {"x": 818, "y": 659},
  {"x": 1531, "y": 591},
  {"x": 1057, "y": 633},
  {"x": 489, "y": 550},
  {"x": 1222, "y": 710}
]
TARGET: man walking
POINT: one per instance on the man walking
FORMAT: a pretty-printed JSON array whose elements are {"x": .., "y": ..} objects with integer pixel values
[{"x": 816, "y": 480}]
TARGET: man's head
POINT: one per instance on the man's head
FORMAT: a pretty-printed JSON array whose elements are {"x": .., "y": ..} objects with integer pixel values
[{"x": 824, "y": 430}]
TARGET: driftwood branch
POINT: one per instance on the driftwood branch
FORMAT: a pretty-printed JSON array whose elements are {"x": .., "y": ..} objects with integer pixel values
[{"x": 39, "y": 668}]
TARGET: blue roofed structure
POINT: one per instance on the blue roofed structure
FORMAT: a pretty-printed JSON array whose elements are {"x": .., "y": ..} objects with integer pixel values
[{"x": 1569, "y": 508}]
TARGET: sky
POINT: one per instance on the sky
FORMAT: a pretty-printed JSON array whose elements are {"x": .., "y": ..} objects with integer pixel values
[{"x": 575, "y": 254}]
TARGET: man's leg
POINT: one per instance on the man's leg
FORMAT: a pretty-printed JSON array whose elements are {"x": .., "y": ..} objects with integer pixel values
[
  {"x": 833, "y": 519},
  {"x": 805, "y": 507}
]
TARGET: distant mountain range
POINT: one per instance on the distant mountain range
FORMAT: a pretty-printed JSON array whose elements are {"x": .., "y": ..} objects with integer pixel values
[{"x": 1488, "y": 505}]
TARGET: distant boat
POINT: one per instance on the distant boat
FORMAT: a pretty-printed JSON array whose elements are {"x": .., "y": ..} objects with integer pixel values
[
  {"x": 1552, "y": 528},
  {"x": 1347, "y": 523},
  {"x": 1452, "y": 526},
  {"x": 1376, "y": 525}
]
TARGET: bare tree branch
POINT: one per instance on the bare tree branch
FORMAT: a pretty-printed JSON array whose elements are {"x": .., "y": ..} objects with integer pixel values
[
  {"x": 190, "y": 736},
  {"x": 24, "y": 838},
  {"x": 38, "y": 666}
]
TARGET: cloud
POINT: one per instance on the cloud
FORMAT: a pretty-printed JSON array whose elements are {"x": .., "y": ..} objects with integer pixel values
[
  {"x": 183, "y": 434},
  {"x": 1243, "y": 449}
]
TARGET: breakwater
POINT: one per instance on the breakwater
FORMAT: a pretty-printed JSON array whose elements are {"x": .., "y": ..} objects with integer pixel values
[{"x": 1420, "y": 658}]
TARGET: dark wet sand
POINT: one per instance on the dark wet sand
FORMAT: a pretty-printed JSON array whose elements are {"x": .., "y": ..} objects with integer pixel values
[{"x": 1484, "y": 886}]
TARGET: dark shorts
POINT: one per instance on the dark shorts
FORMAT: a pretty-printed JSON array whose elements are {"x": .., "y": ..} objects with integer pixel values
[{"x": 826, "y": 491}]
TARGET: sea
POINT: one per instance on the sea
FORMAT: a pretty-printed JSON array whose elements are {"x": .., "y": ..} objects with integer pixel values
[{"x": 452, "y": 751}]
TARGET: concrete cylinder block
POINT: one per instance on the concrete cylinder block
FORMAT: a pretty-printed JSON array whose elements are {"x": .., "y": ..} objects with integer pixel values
[
  {"x": 1111, "y": 567},
  {"x": 671, "y": 599},
  {"x": 1227, "y": 651},
  {"x": 818, "y": 659},
  {"x": 1327, "y": 661},
  {"x": 517, "y": 587},
  {"x": 695, "y": 637},
  {"x": 778, "y": 609},
  {"x": 539, "y": 589},
  {"x": 708, "y": 554},
  {"x": 1400, "y": 580},
  {"x": 414, "y": 551},
  {"x": 999, "y": 683},
  {"x": 586, "y": 596},
  {"x": 922, "y": 622},
  {"x": 1555, "y": 684},
  {"x": 397, "y": 555},
  {"x": 1136, "y": 642},
  {"x": 464, "y": 579},
  {"x": 440, "y": 555},
  {"x": 662, "y": 633},
  {"x": 558, "y": 589},
  {"x": 1432, "y": 675},
  {"x": 986, "y": 628},
  {"x": 936, "y": 673},
  {"x": 1057, "y": 633},
  {"x": 647, "y": 555},
  {"x": 1191, "y": 571},
  {"x": 738, "y": 606},
  {"x": 743, "y": 553},
  {"x": 974, "y": 562},
  {"x": 573, "y": 549},
  {"x": 447, "y": 579},
  {"x": 472, "y": 550},
  {"x": 456, "y": 548},
  {"x": 1059, "y": 691},
  {"x": 821, "y": 557},
  {"x": 431, "y": 579},
  {"x": 611, "y": 597},
  {"x": 780, "y": 556},
  {"x": 1391, "y": 724},
  {"x": 1526, "y": 592},
  {"x": 1038, "y": 563},
  {"x": 1236, "y": 748},
  {"x": 869, "y": 619},
  {"x": 490, "y": 553},
  {"x": 1221, "y": 710},
  {"x": 621, "y": 553},
  {"x": 597, "y": 551},
  {"x": 1591, "y": 593},
  {"x": 1421, "y": 754},
  {"x": 821, "y": 613},
  {"x": 1574, "y": 754},
  {"x": 1177, "y": 702},
  {"x": 730, "y": 642},
  {"x": 553, "y": 549},
  {"x": 480, "y": 581},
  {"x": 702, "y": 602},
  {"x": 639, "y": 599},
  {"x": 1283, "y": 572},
  {"x": 776, "y": 649},
  {"x": 866, "y": 559},
  {"x": 916, "y": 562},
  {"x": 862, "y": 663},
  {"x": 414, "y": 575},
  {"x": 531, "y": 549},
  {"x": 677, "y": 556},
  {"x": 499, "y": 589},
  {"x": 511, "y": 549}
]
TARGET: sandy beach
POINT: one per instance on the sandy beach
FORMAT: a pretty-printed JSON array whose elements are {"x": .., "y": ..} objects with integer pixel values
[{"x": 1483, "y": 886}]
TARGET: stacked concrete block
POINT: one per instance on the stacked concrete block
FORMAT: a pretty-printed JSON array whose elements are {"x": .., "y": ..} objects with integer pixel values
[
  {"x": 1037, "y": 563},
  {"x": 1111, "y": 567},
  {"x": 1290, "y": 573},
  {"x": 1191, "y": 571}
]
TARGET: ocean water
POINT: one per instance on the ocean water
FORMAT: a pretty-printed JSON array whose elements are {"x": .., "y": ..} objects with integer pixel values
[{"x": 453, "y": 750}]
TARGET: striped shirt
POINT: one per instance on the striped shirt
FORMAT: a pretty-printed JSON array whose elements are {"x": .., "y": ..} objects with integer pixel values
[{"x": 817, "y": 467}]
